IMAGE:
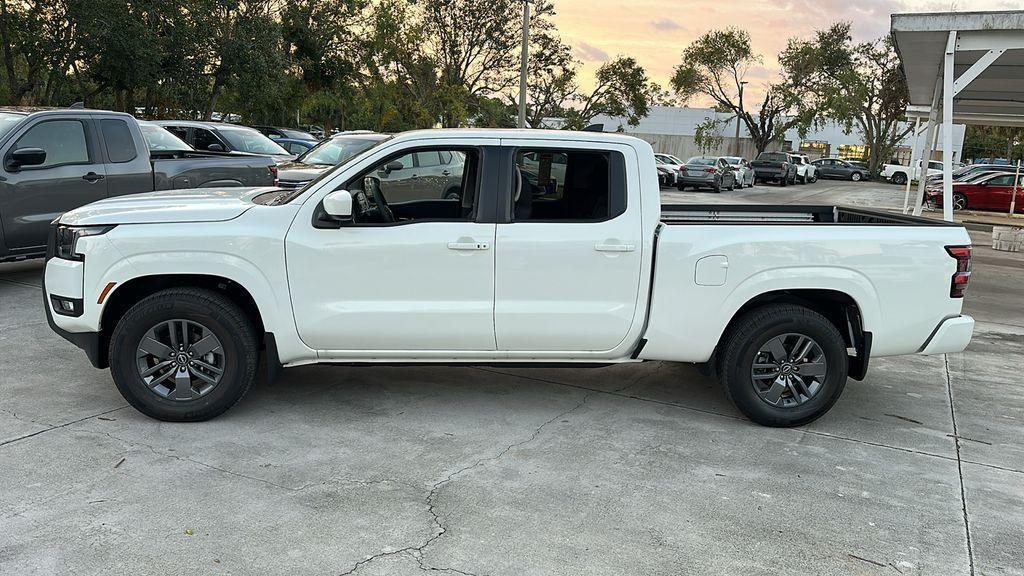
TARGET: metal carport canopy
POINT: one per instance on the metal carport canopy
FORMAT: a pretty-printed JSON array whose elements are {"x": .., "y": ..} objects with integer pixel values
[{"x": 969, "y": 65}]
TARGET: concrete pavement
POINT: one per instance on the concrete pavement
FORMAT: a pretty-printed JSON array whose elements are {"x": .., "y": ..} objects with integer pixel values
[{"x": 636, "y": 469}]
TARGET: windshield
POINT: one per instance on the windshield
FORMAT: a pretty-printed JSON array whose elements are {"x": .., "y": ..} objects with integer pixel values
[
  {"x": 337, "y": 150},
  {"x": 733, "y": 160},
  {"x": 290, "y": 195},
  {"x": 8, "y": 121},
  {"x": 158, "y": 139},
  {"x": 251, "y": 141},
  {"x": 701, "y": 160}
]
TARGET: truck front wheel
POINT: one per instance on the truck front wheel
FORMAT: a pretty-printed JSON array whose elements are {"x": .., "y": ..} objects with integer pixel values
[
  {"x": 184, "y": 354},
  {"x": 783, "y": 365}
]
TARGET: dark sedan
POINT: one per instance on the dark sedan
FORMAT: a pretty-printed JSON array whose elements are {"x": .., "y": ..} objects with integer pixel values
[{"x": 835, "y": 168}]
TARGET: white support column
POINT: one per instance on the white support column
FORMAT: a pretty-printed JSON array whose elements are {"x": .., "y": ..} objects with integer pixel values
[
  {"x": 926, "y": 153},
  {"x": 947, "y": 132},
  {"x": 913, "y": 158}
]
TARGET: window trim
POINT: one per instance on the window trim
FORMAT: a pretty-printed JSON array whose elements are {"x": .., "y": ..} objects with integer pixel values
[
  {"x": 89, "y": 146},
  {"x": 509, "y": 162},
  {"x": 485, "y": 193}
]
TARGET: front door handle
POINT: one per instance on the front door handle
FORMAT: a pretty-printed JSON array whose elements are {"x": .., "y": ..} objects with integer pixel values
[
  {"x": 468, "y": 246},
  {"x": 615, "y": 247},
  {"x": 92, "y": 177}
]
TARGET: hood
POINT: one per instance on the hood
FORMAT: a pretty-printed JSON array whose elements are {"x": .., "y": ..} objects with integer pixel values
[
  {"x": 299, "y": 171},
  {"x": 195, "y": 205}
]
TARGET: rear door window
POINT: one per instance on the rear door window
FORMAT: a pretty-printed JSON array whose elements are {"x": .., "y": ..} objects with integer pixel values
[
  {"x": 117, "y": 138},
  {"x": 568, "y": 185}
]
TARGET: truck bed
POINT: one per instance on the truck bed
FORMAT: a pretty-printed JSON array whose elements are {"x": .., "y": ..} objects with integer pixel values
[{"x": 676, "y": 214}]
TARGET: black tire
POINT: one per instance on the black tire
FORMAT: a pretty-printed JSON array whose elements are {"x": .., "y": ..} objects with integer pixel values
[
  {"x": 453, "y": 193},
  {"x": 742, "y": 344},
  {"x": 680, "y": 187},
  {"x": 783, "y": 181},
  {"x": 959, "y": 201},
  {"x": 856, "y": 177},
  {"x": 717, "y": 187},
  {"x": 222, "y": 317},
  {"x": 732, "y": 185},
  {"x": 802, "y": 179},
  {"x": 899, "y": 178}
]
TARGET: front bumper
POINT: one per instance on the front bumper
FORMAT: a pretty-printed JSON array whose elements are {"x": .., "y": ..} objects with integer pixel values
[
  {"x": 89, "y": 342},
  {"x": 951, "y": 335}
]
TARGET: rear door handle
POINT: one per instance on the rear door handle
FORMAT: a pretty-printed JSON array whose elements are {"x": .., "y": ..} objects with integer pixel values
[
  {"x": 615, "y": 247},
  {"x": 468, "y": 246},
  {"x": 92, "y": 177}
]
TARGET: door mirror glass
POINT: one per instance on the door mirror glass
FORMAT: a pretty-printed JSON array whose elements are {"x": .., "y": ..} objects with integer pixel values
[
  {"x": 25, "y": 157},
  {"x": 391, "y": 167},
  {"x": 215, "y": 147},
  {"x": 338, "y": 205}
]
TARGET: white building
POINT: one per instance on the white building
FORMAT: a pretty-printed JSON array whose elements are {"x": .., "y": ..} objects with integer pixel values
[{"x": 670, "y": 129}]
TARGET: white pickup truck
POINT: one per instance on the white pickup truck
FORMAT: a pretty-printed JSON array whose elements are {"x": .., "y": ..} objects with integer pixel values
[
  {"x": 898, "y": 174},
  {"x": 180, "y": 293}
]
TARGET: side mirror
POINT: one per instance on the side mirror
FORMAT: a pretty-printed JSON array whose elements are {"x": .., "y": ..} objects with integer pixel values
[
  {"x": 215, "y": 147},
  {"x": 338, "y": 205},
  {"x": 392, "y": 166},
  {"x": 25, "y": 157}
]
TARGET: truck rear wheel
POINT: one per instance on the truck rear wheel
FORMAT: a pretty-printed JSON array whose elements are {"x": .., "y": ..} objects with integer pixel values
[
  {"x": 899, "y": 178},
  {"x": 783, "y": 365},
  {"x": 184, "y": 355}
]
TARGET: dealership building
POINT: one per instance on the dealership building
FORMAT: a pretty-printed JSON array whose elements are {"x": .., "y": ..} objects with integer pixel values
[{"x": 672, "y": 130}]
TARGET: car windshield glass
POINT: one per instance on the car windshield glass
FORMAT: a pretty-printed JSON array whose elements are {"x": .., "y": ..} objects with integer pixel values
[
  {"x": 159, "y": 139},
  {"x": 8, "y": 120},
  {"x": 702, "y": 161},
  {"x": 336, "y": 150},
  {"x": 733, "y": 159},
  {"x": 251, "y": 141},
  {"x": 290, "y": 195},
  {"x": 297, "y": 134}
]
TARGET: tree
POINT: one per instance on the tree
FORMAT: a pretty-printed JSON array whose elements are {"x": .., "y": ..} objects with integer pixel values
[
  {"x": 858, "y": 85},
  {"x": 622, "y": 90},
  {"x": 708, "y": 136},
  {"x": 714, "y": 67}
]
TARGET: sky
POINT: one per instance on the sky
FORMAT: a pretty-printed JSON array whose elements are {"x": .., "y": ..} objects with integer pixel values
[{"x": 655, "y": 32}]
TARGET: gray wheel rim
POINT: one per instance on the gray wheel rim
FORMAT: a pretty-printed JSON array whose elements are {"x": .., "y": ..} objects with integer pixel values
[
  {"x": 180, "y": 360},
  {"x": 959, "y": 202},
  {"x": 789, "y": 370}
]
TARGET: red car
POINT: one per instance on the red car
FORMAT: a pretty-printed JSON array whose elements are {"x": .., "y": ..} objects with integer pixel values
[{"x": 993, "y": 192}]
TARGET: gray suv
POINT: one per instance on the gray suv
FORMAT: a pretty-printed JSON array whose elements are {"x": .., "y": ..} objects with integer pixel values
[{"x": 434, "y": 173}]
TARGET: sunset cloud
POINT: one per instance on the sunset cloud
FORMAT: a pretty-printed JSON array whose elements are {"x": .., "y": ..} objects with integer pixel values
[{"x": 655, "y": 32}]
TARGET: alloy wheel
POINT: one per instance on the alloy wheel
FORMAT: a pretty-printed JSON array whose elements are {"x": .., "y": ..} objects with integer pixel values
[
  {"x": 789, "y": 370},
  {"x": 180, "y": 360}
]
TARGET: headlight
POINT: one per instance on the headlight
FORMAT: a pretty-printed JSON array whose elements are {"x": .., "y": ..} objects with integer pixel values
[{"x": 65, "y": 245}]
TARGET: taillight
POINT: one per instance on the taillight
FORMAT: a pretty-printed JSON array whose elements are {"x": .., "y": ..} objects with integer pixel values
[
  {"x": 958, "y": 285},
  {"x": 711, "y": 169},
  {"x": 273, "y": 173}
]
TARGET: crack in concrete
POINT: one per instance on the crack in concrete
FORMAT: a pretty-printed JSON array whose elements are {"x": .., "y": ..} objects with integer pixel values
[
  {"x": 658, "y": 370},
  {"x": 734, "y": 417},
  {"x": 59, "y": 426},
  {"x": 439, "y": 527},
  {"x": 20, "y": 283},
  {"x": 959, "y": 465}
]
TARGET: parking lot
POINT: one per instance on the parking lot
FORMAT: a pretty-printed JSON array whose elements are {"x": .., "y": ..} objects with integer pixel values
[{"x": 632, "y": 469}]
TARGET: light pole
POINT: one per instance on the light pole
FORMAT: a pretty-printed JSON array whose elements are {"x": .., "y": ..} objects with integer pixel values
[
  {"x": 523, "y": 63},
  {"x": 737, "y": 140}
]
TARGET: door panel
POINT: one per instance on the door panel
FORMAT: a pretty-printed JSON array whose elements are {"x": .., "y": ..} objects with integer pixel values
[
  {"x": 408, "y": 286},
  {"x": 568, "y": 285},
  {"x": 394, "y": 287}
]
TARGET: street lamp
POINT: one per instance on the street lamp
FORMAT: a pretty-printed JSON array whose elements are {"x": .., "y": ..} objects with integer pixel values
[
  {"x": 737, "y": 140},
  {"x": 523, "y": 63}
]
